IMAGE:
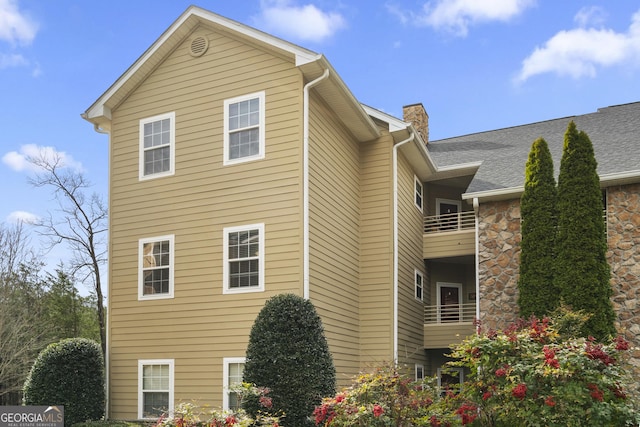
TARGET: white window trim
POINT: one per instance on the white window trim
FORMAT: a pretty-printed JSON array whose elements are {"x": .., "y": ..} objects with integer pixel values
[
  {"x": 225, "y": 262},
  {"x": 172, "y": 145},
  {"x": 417, "y": 182},
  {"x": 416, "y": 274},
  {"x": 419, "y": 367},
  {"x": 141, "y": 364},
  {"x": 141, "y": 242},
  {"x": 261, "y": 128},
  {"x": 225, "y": 378}
]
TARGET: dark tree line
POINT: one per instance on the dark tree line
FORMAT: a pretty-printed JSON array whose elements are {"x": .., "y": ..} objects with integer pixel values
[{"x": 36, "y": 309}]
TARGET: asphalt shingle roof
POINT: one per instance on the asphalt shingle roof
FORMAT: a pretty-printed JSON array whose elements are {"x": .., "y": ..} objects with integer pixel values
[{"x": 614, "y": 132}]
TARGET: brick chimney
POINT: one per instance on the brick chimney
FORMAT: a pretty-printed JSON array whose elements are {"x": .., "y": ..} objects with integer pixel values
[{"x": 417, "y": 116}]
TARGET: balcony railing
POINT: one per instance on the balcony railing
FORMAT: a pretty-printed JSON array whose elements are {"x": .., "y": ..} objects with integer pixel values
[
  {"x": 449, "y": 222},
  {"x": 457, "y": 313}
]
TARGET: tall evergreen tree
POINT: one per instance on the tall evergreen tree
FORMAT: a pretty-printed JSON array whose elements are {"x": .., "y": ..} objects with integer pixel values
[
  {"x": 537, "y": 293},
  {"x": 581, "y": 270}
]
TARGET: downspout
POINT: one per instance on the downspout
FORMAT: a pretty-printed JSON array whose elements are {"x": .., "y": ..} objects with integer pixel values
[
  {"x": 98, "y": 129},
  {"x": 476, "y": 210},
  {"x": 395, "y": 245},
  {"x": 305, "y": 181}
]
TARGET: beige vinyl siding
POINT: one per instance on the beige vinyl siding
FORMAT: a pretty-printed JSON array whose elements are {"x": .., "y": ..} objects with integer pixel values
[
  {"x": 410, "y": 310},
  {"x": 334, "y": 232},
  {"x": 200, "y": 325},
  {"x": 449, "y": 244},
  {"x": 376, "y": 252}
]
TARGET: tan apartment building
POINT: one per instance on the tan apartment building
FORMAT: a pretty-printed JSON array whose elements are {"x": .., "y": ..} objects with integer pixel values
[{"x": 241, "y": 167}]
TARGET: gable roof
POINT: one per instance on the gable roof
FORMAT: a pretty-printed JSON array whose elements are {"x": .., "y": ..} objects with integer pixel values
[
  {"x": 614, "y": 132},
  {"x": 312, "y": 65}
]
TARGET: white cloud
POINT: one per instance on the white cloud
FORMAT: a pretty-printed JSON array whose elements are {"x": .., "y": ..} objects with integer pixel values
[
  {"x": 19, "y": 161},
  {"x": 15, "y": 26},
  {"x": 590, "y": 16},
  {"x": 581, "y": 51},
  {"x": 23, "y": 216},
  {"x": 456, "y": 16},
  {"x": 307, "y": 23},
  {"x": 12, "y": 60}
]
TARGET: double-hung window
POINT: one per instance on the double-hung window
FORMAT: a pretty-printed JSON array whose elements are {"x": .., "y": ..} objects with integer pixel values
[
  {"x": 418, "y": 190},
  {"x": 419, "y": 284},
  {"x": 157, "y": 146},
  {"x": 155, "y": 387},
  {"x": 244, "y": 128},
  {"x": 232, "y": 375},
  {"x": 155, "y": 260},
  {"x": 243, "y": 269}
]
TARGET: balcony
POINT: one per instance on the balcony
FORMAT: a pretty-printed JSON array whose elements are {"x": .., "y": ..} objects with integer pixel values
[
  {"x": 446, "y": 325},
  {"x": 449, "y": 235}
]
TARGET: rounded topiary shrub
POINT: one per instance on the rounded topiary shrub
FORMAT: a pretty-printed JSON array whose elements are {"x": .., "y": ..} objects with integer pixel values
[
  {"x": 69, "y": 373},
  {"x": 288, "y": 353}
]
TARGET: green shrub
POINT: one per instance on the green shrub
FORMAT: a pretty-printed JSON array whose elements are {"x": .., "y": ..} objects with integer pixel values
[
  {"x": 288, "y": 354},
  {"x": 582, "y": 273},
  {"x": 69, "y": 373},
  {"x": 534, "y": 374},
  {"x": 537, "y": 295},
  {"x": 386, "y": 396}
]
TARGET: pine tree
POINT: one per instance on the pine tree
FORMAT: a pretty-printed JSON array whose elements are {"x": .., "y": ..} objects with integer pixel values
[
  {"x": 581, "y": 270},
  {"x": 537, "y": 292}
]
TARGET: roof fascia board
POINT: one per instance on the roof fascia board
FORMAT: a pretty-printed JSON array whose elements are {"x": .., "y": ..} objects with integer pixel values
[
  {"x": 620, "y": 178},
  {"x": 302, "y": 56},
  {"x": 394, "y": 124},
  {"x": 372, "y": 131},
  {"x": 495, "y": 195},
  {"x": 607, "y": 180}
]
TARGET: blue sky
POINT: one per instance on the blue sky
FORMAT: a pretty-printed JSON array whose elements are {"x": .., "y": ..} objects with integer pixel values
[{"x": 474, "y": 64}]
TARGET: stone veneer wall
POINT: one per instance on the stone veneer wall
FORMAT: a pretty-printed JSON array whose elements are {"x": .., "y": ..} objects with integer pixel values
[
  {"x": 623, "y": 232},
  {"x": 499, "y": 253},
  {"x": 498, "y": 260}
]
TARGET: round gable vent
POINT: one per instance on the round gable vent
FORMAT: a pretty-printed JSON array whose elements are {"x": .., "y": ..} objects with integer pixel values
[{"x": 199, "y": 46}]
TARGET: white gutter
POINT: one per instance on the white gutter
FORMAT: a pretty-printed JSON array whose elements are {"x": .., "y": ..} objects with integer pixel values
[
  {"x": 395, "y": 244},
  {"x": 476, "y": 210},
  {"x": 305, "y": 181}
]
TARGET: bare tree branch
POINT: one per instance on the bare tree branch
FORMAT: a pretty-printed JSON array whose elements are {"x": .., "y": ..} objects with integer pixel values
[{"x": 82, "y": 224}]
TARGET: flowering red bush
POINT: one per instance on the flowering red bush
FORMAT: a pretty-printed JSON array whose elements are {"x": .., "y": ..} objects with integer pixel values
[{"x": 534, "y": 373}]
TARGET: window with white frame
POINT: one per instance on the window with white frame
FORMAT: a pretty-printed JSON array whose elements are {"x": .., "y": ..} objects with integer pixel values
[
  {"x": 155, "y": 387},
  {"x": 155, "y": 260},
  {"x": 232, "y": 375},
  {"x": 157, "y": 146},
  {"x": 418, "y": 193},
  {"x": 243, "y": 269},
  {"x": 419, "y": 283},
  {"x": 244, "y": 133},
  {"x": 419, "y": 369}
]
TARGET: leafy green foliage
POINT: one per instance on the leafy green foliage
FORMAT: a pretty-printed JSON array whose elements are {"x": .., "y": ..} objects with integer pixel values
[
  {"x": 67, "y": 314},
  {"x": 188, "y": 414},
  {"x": 534, "y": 374},
  {"x": 581, "y": 271},
  {"x": 537, "y": 294},
  {"x": 385, "y": 397},
  {"x": 288, "y": 353},
  {"x": 69, "y": 373}
]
